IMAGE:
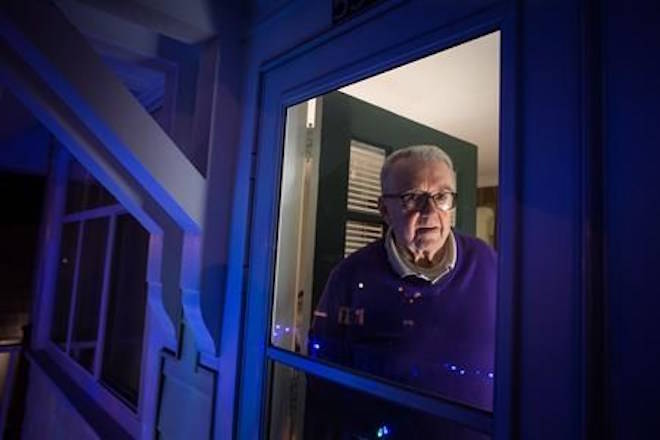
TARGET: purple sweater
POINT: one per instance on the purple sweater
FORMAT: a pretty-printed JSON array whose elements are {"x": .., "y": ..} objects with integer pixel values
[{"x": 438, "y": 337}]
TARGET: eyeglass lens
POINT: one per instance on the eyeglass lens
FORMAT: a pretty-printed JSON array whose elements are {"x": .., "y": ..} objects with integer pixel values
[{"x": 417, "y": 201}]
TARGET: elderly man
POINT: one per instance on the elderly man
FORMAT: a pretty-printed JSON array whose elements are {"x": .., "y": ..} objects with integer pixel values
[{"x": 417, "y": 306}]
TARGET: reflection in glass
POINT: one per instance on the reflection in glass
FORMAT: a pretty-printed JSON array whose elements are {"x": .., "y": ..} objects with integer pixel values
[
  {"x": 122, "y": 353},
  {"x": 64, "y": 285},
  {"x": 307, "y": 407},
  {"x": 88, "y": 297},
  {"x": 401, "y": 291}
]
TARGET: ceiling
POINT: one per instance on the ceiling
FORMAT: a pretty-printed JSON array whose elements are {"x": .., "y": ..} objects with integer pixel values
[
  {"x": 191, "y": 22},
  {"x": 455, "y": 91}
]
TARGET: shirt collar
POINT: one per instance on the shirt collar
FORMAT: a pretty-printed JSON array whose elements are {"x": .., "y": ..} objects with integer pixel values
[{"x": 403, "y": 267}]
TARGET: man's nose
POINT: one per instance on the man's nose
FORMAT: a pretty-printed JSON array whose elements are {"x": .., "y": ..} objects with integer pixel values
[{"x": 428, "y": 205}]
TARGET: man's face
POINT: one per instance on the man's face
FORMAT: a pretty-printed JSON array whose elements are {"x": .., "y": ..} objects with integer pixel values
[{"x": 422, "y": 231}]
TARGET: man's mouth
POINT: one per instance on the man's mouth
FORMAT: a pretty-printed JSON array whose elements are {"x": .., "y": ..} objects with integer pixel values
[{"x": 426, "y": 229}]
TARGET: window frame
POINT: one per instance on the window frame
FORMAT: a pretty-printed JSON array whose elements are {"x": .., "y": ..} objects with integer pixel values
[
  {"x": 111, "y": 212},
  {"x": 284, "y": 82},
  {"x": 138, "y": 420}
]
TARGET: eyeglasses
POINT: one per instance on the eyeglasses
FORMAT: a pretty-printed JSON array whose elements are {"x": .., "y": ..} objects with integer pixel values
[{"x": 416, "y": 201}]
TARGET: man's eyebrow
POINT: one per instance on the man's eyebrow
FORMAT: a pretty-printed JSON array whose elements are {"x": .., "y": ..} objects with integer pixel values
[
  {"x": 414, "y": 189},
  {"x": 445, "y": 188}
]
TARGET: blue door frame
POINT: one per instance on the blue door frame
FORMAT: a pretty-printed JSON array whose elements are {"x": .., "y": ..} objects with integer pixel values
[{"x": 320, "y": 67}]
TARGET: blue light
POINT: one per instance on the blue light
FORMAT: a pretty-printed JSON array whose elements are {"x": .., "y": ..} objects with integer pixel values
[
  {"x": 287, "y": 329},
  {"x": 462, "y": 372},
  {"x": 382, "y": 431},
  {"x": 491, "y": 375},
  {"x": 453, "y": 368},
  {"x": 277, "y": 326},
  {"x": 316, "y": 346}
]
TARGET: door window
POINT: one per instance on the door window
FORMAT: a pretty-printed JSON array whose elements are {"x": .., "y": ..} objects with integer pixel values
[{"x": 380, "y": 268}]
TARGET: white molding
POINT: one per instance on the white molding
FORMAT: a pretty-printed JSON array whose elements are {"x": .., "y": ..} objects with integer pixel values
[
  {"x": 159, "y": 333},
  {"x": 191, "y": 297},
  {"x": 105, "y": 298},
  {"x": 100, "y": 394},
  {"x": 89, "y": 214}
]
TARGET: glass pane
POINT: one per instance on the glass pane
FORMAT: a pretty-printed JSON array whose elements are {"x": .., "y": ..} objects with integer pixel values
[
  {"x": 385, "y": 259},
  {"x": 307, "y": 407},
  {"x": 88, "y": 296},
  {"x": 64, "y": 285},
  {"x": 84, "y": 192},
  {"x": 122, "y": 352}
]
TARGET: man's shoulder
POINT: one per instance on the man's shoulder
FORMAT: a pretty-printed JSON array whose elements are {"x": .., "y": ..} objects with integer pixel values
[
  {"x": 474, "y": 247},
  {"x": 360, "y": 266},
  {"x": 369, "y": 255},
  {"x": 373, "y": 250}
]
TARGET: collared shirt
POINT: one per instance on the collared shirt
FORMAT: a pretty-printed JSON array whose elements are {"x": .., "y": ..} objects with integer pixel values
[{"x": 404, "y": 267}]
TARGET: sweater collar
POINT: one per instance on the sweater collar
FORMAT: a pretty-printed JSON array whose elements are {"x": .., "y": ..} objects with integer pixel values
[{"x": 404, "y": 267}]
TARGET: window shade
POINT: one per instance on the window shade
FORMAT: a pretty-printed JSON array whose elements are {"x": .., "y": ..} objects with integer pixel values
[
  {"x": 360, "y": 234},
  {"x": 365, "y": 163}
]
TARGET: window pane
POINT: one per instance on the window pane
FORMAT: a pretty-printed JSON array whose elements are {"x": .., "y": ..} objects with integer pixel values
[
  {"x": 84, "y": 192},
  {"x": 88, "y": 296},
  {"x": 402, "y": 288},
  {"x": 122, "y": 353},
  {"x": 307, "y": 407},
  {"x": 64, "y": 285}
]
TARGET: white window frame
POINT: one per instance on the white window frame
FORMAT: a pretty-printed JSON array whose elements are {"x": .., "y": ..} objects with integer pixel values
[
  {"x": 111, "y": 213},
  {"x": 138, "y": 421}
]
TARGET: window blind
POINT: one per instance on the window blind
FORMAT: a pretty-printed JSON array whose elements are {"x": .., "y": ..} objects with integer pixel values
[
  {"x": 365, "y": 163},
  {"x": 360, "y": 234}
]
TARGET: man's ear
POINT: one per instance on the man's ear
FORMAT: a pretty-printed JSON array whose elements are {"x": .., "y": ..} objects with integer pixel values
[{"x": 383, "y": 210}]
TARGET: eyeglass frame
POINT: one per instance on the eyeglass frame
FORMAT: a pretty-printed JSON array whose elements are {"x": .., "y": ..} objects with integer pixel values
[{"x": 427, "y": 196}]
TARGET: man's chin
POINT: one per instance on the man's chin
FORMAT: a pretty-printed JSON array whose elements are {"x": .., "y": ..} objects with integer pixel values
[
  {"x": 428, "y": 234},
  {"x": 429, "y": 242}
]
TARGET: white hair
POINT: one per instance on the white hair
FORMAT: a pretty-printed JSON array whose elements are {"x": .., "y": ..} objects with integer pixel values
[{"x": 427, "y": 153}]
